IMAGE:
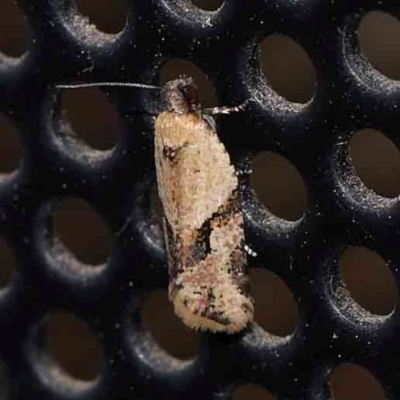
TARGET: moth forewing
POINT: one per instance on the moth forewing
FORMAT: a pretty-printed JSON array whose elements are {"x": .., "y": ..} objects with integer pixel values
[{"x": 203, "y": 226}]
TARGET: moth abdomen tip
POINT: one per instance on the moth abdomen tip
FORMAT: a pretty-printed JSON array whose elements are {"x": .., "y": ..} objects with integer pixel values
[{"x": 230, "y": 313}]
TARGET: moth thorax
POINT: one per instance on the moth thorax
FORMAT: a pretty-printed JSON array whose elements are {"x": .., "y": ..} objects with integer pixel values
[{"x": 180, "y": 96}]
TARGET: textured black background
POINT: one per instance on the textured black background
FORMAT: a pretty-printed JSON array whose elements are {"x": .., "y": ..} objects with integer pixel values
[{"x": 83, "y": 307}]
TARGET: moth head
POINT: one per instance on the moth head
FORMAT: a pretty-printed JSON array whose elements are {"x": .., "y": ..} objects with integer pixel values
[{"x": 180, "y": 96}]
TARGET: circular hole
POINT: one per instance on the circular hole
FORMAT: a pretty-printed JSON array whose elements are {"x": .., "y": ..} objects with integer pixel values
[
  {"x": 166, "y": 328},
  {"x": 280, "y": 56},
  {"x": 378, "y": 35},
  {"x": 278, "y": 186},
  {"x": 71, "y": 346},
  {"x": 253, "y": 392},
  {"x": 275, "y": 307},
  {"x": 369, "y": 280},
  {"x": 176, "y": 67},
  {"x": 208, "y": 5},
  {"x": 7, "y": 263},
  {"x": 91, "y": 116},
  {"x": 11, "y": 150},
  {"x": 350, "y": 381},
  {"x": 108, "y": 16},
  {"x": 376, "y": 160},
  {"x": 13, "y": 30},
  {"x": 81, "y": 230}
]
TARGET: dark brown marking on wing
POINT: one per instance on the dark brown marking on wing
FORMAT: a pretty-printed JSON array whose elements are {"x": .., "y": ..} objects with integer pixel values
[{"x": 201, "y": 248}]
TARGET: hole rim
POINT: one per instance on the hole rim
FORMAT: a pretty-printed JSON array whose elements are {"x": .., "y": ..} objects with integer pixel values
[
  {"x": 76, "y": 272},
  {"x": 83, "y": 28},
  {"x": 279, "y": 94},
  {"x": 386, "y": 141},
  {"x": 278, "y": 280},
  {"x": 145, "y": 350},
  {"x": 72, "y": 145},
  {"x": 375, "y": 13},
  {"x": 52, "y": 376},
  {"x": 291, "y": 169},
  {"x": 384, "y": 268},
  {"x": 342, "y": 303}
]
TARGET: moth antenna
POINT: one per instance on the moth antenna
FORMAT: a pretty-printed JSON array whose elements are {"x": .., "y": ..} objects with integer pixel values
[{"x": 98, "y": 84}]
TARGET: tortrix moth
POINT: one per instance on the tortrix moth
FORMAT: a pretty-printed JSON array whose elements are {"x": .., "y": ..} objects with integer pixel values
[
  {"x": 203, "y": 224},
  {"x": 203, "y": 220}
]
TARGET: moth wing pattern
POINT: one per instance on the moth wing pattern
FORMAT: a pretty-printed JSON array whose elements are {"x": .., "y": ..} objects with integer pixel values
[{"x": 203, "y": 224}]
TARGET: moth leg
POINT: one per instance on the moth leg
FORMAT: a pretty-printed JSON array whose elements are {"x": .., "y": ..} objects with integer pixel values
[{"x": 225, "y": 110}]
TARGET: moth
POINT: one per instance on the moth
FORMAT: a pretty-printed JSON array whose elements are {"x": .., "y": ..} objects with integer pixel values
[
  {"x": 203, "y": 220},
  {"x": 203, "y": 224}
]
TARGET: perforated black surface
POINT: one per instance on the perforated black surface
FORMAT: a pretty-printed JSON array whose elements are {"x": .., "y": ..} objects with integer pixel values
[{"x": 350, "y": 96}]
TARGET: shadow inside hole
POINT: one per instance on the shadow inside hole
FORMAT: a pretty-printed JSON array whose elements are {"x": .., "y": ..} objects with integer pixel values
[
  {"x": 107, "y": 16},
  {"x": 379, "y": 34},
  {"x": 208, "y": 5},
  {"x": 70, "y": 346},
  {"x": 275, "y": 308},
  {"x": 13, "y": 31},
  {"x": 279, "y": 57},
  {"x": 252, "y": 392},
  {"x": 81, "y": 230},
  {"x": 279, "y": 186},
  {"x": 92, "y": 118},
  {"x": 11, "y": 150},
  {"x": 369, "y": 280},
  {"x": 166, "y": 328},
  {"x": 350, "y": 381},
  {"x": 376, "y": 160},
  {"x": 7, "y": 264},
  {"x": 178, "y": 67}
]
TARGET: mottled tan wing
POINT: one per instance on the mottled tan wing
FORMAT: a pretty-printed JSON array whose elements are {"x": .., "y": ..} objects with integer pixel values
[
  {"x": 194, "y": 173},
  {"x": 198, "y": 188}
]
